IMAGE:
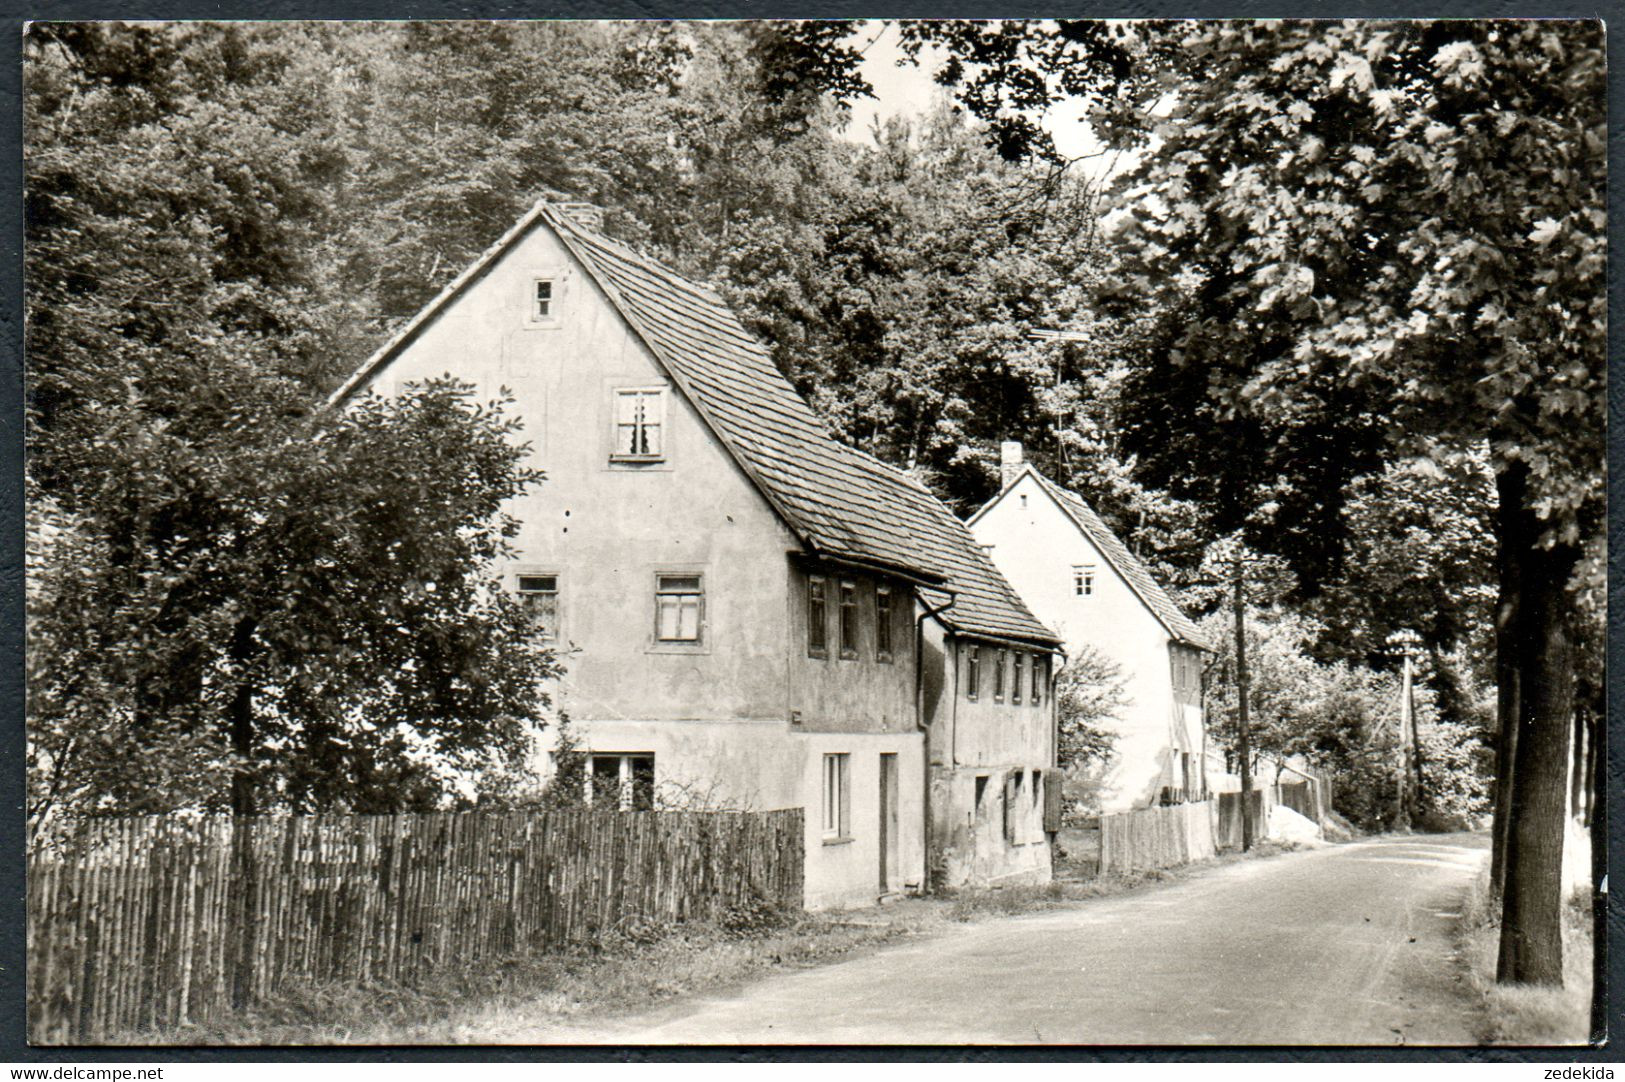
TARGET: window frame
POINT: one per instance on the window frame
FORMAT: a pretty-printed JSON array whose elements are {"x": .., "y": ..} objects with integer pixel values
[
  {"x": 848, "y": 619},
  {"x": 660, "y": 395},
  {"x": 1039, "y": 680},
  {"x": 883, "y": 622},
  {"x": 836, "y": 825},
  {"x": 520, "y": 574},
  {"x": 1001, "y": 658},
  {"x": 699, "y": 639},
  {"x": 554, "y": 279},
  {"x": 973, "y": 671},
  {"x": 1083, "y": 580},
  {"x": 627, "y": 791},
  {"x": 818, "y": 615},
  {"x": 1018, "y": 674}
]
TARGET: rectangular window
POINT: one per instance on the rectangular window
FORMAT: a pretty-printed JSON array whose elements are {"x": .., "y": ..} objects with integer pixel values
[
  {"x": 1018, "y": 678},
  {"x": 1038, "y": 777},
  {"x": 882, "y": 622},
  {"x": 1083, "y": 579},
  {"x": 973, "y": 675},
  {"x": 539, "y": 596},
  {"x": 679, "y": 608},
  {"x": 1012, "y": 801},
  {"x": 1000, "y": 660},
  {"x": 639, "y": 423},
  {"x": 542, "y": 309},
  {"x": 837, "y": 797},
  {"x": 622, "y": 781},
  {"x": 981, "y": 790},
  {"x": 1040, "y": 678},
  {"x": 849, "y": 619},
  {"x": 817, "y": 617}
]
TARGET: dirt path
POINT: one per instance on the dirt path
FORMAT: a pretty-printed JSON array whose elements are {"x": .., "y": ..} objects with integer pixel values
[{"x": 1349, "y": 944}]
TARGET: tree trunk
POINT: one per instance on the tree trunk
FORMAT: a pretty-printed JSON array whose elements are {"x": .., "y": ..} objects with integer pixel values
[
  {"x": 1543, "y": 651},
  {"x": 1510, "y": 484},
  {"x": 1243, "y": 738},
  {"x": 1599, "y": 876}
]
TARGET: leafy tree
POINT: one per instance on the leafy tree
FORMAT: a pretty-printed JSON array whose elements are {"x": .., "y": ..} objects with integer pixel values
[
  {"x": 299, "y": 611},
  {"x": 1406, "y": 213},
  {"x": 1090, "y": 697}
]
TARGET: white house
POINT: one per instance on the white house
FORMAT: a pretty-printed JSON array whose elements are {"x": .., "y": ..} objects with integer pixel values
[
  {"x": 1081, "y": 580},
  {"x": 746, "y": 608}
]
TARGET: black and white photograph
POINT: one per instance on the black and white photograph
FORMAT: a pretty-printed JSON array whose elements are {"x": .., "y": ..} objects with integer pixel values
[{"x": 807, "y": 533}]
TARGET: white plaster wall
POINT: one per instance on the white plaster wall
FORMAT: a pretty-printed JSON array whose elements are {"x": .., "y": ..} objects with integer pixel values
[
  {"x": 604, "y": 529},
  {"x": 762, "y": 766},
  {"x": 1036, "y": 546}
]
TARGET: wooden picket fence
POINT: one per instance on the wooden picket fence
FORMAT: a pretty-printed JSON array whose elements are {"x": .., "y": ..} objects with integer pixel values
[
  {"x": 137, "y": 924},
  {"x": 1161, "y": 837},
  {"x": 1227, "y": 822}
]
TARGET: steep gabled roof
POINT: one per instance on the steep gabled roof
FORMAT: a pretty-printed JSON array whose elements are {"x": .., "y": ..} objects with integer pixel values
[
  {"x": 1128, "y": 565},
  {"x": 838, "y": 501}
]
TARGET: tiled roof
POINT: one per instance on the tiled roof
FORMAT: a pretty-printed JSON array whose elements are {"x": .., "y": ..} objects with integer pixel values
[
  {"x": 839, "y": 501},
  {"x": 1133, "y": 570}
]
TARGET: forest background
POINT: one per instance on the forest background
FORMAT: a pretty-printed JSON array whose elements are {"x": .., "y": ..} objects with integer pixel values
[{"x": 224, "y": 219}]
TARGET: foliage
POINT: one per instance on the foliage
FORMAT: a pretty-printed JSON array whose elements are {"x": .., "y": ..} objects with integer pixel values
[
  {"x": 1342, "y": 718},
  {"x": 302, "y": 604},
  {"x": 1090, "y": 696}
]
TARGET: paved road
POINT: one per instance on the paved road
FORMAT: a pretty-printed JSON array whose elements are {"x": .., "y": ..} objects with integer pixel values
[{"x": 1348, "y": 944}]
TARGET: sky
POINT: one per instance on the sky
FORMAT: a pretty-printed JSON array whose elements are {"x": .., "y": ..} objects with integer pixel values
[{"x": 907, "y": 90}]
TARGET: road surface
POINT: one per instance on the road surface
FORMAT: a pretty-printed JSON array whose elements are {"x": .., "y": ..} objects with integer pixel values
[{"x": 1349, "y": 944}]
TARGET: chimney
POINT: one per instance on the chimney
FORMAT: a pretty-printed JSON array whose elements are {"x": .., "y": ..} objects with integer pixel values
[
  {"x": 1009, "y": 462},
  {"x": 588, "y": 216}
]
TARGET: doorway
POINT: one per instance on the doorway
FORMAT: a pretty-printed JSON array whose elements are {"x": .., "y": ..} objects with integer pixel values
[{"x": 889, "y": 841}]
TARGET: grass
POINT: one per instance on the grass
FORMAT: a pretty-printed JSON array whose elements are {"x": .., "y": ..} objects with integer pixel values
[
  {"x": 530, "y": 999},
  {"x": 1527, "y": 1014}
]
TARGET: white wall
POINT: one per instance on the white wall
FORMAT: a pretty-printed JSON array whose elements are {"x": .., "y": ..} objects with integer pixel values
[
  {"x": 761, "y": 766},
  {"x": 716, "y": 717},
  {"x": 1036, "y": 547}
]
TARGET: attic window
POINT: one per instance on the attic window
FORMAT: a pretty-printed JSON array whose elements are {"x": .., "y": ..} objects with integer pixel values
[
  {"x": 541, "y": 308},
  {"x": 1083, "y": 579},
  {"x": 640, "y": 416}
]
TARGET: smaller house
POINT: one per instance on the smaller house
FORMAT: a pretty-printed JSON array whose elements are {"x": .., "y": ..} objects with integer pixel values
[{"x": 1075, "y": 574}]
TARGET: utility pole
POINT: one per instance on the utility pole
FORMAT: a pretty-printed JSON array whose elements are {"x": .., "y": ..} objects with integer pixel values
[
  {"x": 1406, "y": 643},
  {"x": 1243, "y": 740}
]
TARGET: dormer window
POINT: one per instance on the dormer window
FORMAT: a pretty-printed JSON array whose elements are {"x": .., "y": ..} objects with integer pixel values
[{"x": 640, "y": 422}]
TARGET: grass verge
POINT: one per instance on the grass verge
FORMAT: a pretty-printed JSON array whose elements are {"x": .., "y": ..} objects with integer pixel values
[
  {"x": 536, "y": 998},
  {"x": 1522, "y": 1014}
]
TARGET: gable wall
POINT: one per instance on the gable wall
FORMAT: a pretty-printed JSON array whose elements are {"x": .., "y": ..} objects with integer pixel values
[
  {"x": 1036, "y": 547},
  {"x": 606, "y": 530}
]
